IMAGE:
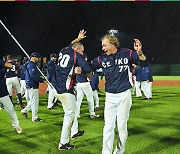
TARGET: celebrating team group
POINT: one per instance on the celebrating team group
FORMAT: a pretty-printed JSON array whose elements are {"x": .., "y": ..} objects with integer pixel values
[{"x": 74, "y": 73}]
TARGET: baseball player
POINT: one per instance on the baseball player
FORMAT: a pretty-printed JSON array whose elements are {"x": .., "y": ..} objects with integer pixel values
[
  {"x": 147, "y": 82},
  {"x": 147, "y": 78},
  {"x": 4, "y": 96},
  {"x": 94, "y": 85},
  {"x": 63, "y": 82},
  {"x": 51, "y": 68},
  {"x": 12, "y": 80},
  {"x": 83, "y": 87},
  {"x": 23, "y": 74},
  {"x": 32, "y": 79},
  {"x": 115, "y": 63},
  {"x": 137, "y": 79}
]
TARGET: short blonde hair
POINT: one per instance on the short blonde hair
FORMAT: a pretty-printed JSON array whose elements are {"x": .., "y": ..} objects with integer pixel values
[
  {"x": 112, "y": 39},
  {"x": 77, "y": 44}
]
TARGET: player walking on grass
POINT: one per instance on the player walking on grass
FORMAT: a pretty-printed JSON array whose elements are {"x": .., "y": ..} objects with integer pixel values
[
  {"x": 51, "y": 68},
  {"x": 32, "y": 84},
  {"x": 115, "y": 63},
  {"x": 12, "y": 80},
  {"x": 94, "y": 85},
  {"x": 63, "y": 82},
  {"x": 147, "y": 79},
  {"x": 4, "y": 96},
  {"x": 83, "y": 87}
]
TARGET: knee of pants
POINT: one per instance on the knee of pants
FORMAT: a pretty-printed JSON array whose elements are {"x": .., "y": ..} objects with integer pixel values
[
  {"x": 122, "y": 125},
  {"x": 109, "y": 126},
  {"x": 70, "y": 113}
]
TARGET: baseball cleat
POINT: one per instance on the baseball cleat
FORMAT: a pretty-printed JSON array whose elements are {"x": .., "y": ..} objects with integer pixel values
[
  {"x": 38, "y": 119},
  {"x": 79, "y": 133},
  {"x": 94, "y": 116},
  {"x": 19, "y": 130},
  {"x": 25, "y": 115},
  {"x": 97, "y": 108},
  {"x": 66, "y": 146}
]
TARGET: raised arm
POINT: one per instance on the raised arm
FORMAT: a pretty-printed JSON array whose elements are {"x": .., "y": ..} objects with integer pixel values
[
  {"x": 138, "y": 49},
  {"x": 80, "y": 36}
]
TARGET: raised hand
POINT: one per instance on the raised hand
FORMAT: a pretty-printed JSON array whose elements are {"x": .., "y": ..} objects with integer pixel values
[
  {"x": 82, "y": 34},
  {"x": 138, "y": 46}
]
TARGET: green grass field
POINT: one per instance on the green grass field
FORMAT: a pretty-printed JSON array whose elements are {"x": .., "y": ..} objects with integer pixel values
[
  {"x": 153, "y": 128},
  {"x": 166, "y": 77}
]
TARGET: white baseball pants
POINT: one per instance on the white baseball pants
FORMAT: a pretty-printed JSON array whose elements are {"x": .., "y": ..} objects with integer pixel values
[
  {"x": 147, "y": 88},
  {"x": 137, "y": 87},
  {"x": 70, "y": 123},
  {"x": 96, "y": 97},
  {"x": 51, "y": 97},
  {"x": 13, "y": 83},
  {"x": 10, "y": 109},
  {"x": 117, "y": 108},
  {"x": 33, "y": 102},
  {"x": 84, "y": 88}
]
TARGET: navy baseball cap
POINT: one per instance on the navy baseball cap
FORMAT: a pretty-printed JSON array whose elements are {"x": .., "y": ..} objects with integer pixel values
[
  {"x": 35, "y": 54},
  {"x": 25, "y": 60},
  {"x": 15, "y": 59},
  {"x": 53, "y": 55}
]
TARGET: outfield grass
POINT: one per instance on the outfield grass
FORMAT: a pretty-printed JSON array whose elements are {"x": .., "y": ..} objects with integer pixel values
[
  {"x": 153, "y": 128},
  {"x": 166, "y": 77}
]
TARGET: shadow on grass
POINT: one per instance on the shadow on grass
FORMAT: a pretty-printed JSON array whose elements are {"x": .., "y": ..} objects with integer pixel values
[
  {"x": 159, "y": 146},
  {"x": 137, "y": 131},
  {"x": 6, "y": 151}
]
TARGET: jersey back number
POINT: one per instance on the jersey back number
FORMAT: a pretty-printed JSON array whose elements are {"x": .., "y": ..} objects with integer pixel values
[{"x": 63, "y": 60}]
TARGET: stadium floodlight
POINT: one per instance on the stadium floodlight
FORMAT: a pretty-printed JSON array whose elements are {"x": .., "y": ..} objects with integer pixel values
[
  {"x": 113, "y": 31},
  {"x": 25, "y": 53}
]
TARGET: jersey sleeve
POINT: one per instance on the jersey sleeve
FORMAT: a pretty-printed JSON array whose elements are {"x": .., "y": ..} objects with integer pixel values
[
  {"x": 70, "y": 45},
  {"x": 96, "y": 63},
  {"x": 136, "y": 60},
  {"x": 2, "y": 63},
  {"x": 81, "y": 62}
]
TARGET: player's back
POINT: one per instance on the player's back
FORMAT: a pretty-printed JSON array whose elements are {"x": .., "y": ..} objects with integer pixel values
[
  {"x": 64, "y": 70},
  {"x": 64, "y": 77},
  {"x": 12, "y": 72}
]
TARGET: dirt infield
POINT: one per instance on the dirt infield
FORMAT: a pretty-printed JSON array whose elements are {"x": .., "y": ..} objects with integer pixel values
[{"x": 43, "y": 86}]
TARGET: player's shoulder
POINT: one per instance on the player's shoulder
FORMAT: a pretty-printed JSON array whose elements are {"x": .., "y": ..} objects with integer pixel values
[
  {"x": 66, "y": 50},
  {"x": 124, "y": 50},
  {"x": 49, "y": 62},
  {"x": 2, "y": 62},
  {"x": 31, "y": 64}
]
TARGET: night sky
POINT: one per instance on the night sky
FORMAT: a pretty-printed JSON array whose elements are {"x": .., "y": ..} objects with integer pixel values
[{"x": 47, "y": 27}]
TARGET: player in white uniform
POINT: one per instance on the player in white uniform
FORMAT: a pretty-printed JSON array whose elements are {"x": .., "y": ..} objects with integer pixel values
[
  {"x": 94, "y": 85},
  {"x": 83, "y": 87},
  {"x": 51, "y": 68},
  {"x": 63, "y": 82},
  {"x": 12, "y": 80},
  {"x": 116, "y": 67},
  {"x": 4, "y": 96},
  {"x": 32, "y": 83}
]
